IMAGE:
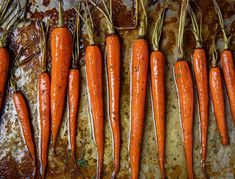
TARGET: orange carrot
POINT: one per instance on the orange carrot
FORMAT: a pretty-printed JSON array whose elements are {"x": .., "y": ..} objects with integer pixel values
[
  {"x": 73, "y": 94},
  {"x": 93, "y": 60},
  {"x": 157, "y": 66},
  {"x": 228, "y": 68},
  {"x": 227, "y": 62},
  {"x": 184, "y": 85},
  {"x": 200, "y": 71},
  {"x": 216, "y": 89},
  {"x": 23, "y": 114},
  {"x": 44, "y": 85},
  {"x": 113, "y": 65},
  {"x": 61, "y": 53},
  {"x": 73, "y": 89},
  {"x": 4, "y": 68},
  {"x": 139, "y": 73},
  {"x": 113, "y": 75}
]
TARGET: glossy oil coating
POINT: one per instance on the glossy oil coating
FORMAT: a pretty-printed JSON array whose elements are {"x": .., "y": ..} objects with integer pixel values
[
  {"x": 4, "y": 67},
  {"x": 228, "y": 68},
  {"x": 61, "y": 53},
  {"x": 200, "y": 71},
  {"x": 157, "y": 66},
  {"x": 44, "y": 86},
  {"x": 23, "y": 114},
  {"x": 94, "y": 80},
  {"x": 139, "y": 71},
  {"x": 73, "y": 96},
  {"x": 217, "y": 96},
  {"x": 184, "y": 86},
  {"x": 113, "y": 69}
]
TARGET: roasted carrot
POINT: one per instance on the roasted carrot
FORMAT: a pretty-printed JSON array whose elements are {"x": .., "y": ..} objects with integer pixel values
[
  {"x": 201, "y": 74},
  {"x": 73, "y": 91},
  {"x": 22, "y": 108},
  {"x": 44, "y": 85},
  {"x": 4, "y": 68},
  {"x": 61, "y": 53},
  {"x": 4, "y": 55},
  {"x": 184, "y": 85},
  {"x": 139, "y": 71},
  {"x": 93, "y": 60},
  {"x": 227, "y": 63},
  {"x": 113, "y": 74},
  {"x": 216, "y": 89},
  {"x": 157, "y": 68}
]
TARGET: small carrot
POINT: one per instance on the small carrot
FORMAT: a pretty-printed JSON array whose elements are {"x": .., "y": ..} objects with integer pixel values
[
  {"x": 113, "y": 74},
  {"x": 22, "y": 108},
  {"x": 61, "y": 53},
  {"x": 227, "y": 62},
  {"x": 184, "y": 85},
  {"x": 4, "y": 54},
  {"x": 157, "y": 67},
  {"x": 139, "y": 71},
  {"x": 200, "y": 71},
  {"x": 93, "y": 60},
  {"x": 44, "y": 85},
  {"x": 216, "y": 89},
  {"x": 73, "y": 91}
]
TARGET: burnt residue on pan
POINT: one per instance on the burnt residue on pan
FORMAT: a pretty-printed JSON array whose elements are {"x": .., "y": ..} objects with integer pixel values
[{"x": 15, "y": 160}]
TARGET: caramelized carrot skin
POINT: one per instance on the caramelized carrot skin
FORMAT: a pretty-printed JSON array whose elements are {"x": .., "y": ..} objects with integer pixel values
[
  {"x": 61, "y": 53},
  {"x": 94, "y": 79},
  {"x": 229, "y": 77},
  {"x": 200, "y": 71},
  {"x": 44, "y": 85},
  {"x": 138, "y": 94},
  {"x": 157, "y": 66},
  {"x": 216, "y": 88},
  {"x": 73, "y": 93},
  {"x": 113, "y": 66},
  {"x": 186, "y": 100},
  {"x": 4, "y": 68},
  {"x": 23, "y": 114}
]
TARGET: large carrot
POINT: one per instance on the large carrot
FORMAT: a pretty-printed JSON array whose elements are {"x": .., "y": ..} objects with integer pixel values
[
  {"x": 73, "y": 91},
  {"x": 61, "y": 53},
  {"x": 4, "y": 55},
  {"x": 44, "y": 85},
  {"x": 184, "y": 84},
  {"x": 201, "y": 76},
  {"x": 157, "y": 67},
  {"x": 93, "y": 60},
  {"x": 113, "y": 74},
  {"x": 227, "y": 62},
  {"x": 216, "y": 89},
  {"x": 139, "y": 71}
]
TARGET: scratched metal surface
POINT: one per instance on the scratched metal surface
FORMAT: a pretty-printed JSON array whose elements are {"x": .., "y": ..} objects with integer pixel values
[{"x": 15, "y": 160}]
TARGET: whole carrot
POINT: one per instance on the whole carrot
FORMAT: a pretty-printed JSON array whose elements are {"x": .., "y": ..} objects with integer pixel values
[
  {"x": 227, "y": 62},
  {"x": 157, "y": 68},
  {"x": 61, "y": 53},
  {"x": 216, "y": 89},
  {"x": 200, "y": 71},
  {"x": 44, "y": 85},
  {"x": 93, "y": 60},
  {"x": 4, "y": 54},
  {"x": 113, "y": 74},
  {"x": 184, "y": 85},
  {"x": 139, "y": 71},
  {"x": 73, "y": 91},
  {"x": 22, "y": 108}
]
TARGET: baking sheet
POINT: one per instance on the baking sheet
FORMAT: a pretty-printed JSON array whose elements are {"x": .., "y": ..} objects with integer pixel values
[{"x": 15, "y": 161}]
